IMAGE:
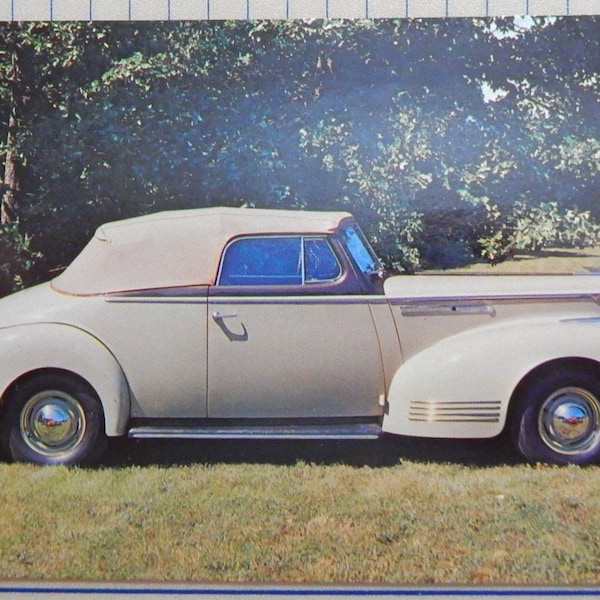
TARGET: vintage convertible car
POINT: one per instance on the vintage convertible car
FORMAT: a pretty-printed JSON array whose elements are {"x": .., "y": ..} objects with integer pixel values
[{"x": 251, "y": 323}]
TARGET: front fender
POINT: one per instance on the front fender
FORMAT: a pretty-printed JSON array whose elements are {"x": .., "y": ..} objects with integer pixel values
[
  {"x": 30, "y": 347},
  {"x": 461, "y": 386}
]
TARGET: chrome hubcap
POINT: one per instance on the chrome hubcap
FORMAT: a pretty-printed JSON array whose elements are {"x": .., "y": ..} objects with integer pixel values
[
  {"x": 569, "y": 421},
  {"x": 52, "y": 423}
]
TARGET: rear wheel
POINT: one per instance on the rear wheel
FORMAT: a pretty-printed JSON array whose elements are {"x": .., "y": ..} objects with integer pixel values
[
  {"x": 53, "y": 419},
  {"x": 557, "y": 419}
]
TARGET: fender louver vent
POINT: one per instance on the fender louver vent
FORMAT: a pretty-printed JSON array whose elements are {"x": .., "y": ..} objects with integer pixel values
[{"x": 455, "y": 412}]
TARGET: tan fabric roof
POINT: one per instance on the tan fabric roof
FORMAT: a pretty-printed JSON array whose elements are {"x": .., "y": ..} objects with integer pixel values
[{"x": 176, "y": 248}]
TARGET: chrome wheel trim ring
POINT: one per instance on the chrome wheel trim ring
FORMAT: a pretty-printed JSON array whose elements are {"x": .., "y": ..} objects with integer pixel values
[
  {"x": 569, "y": 421},
  {"x": 52, "y": 423}
]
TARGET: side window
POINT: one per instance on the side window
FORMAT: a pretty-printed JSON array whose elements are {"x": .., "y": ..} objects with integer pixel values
[
  {"x": 263, "y": 261},
  {"x": 321, "y": 264},
  {"x": 272, "y": 260}
]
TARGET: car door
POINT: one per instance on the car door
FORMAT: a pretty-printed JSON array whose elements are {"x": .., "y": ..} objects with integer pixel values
[{"x": 283, "y": 340}]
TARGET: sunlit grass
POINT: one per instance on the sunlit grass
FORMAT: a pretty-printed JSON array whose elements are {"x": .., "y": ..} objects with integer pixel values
[
  {"x": 553, "y": 260},
  {"x": 409, "y": 523}
]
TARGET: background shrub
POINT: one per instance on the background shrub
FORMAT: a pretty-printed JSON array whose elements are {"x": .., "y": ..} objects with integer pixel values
[{"x": 436, "y": 134}]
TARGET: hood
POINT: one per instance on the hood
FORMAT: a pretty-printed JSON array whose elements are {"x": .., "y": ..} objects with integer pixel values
[{"x": 440, "y": 287}]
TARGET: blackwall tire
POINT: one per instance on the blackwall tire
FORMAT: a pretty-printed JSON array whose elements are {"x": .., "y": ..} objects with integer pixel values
[
  {"x": 557, "y": 419},
  {"x": 53, "y": 420}
]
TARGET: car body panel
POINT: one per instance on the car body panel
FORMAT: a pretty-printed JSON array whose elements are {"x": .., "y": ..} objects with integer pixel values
[
  {"x": 429, "y": 308},
  {"x": 157, "y": 341},
  {"x": 278, "y": 356},
  {"x": 434, "y": 287},
  {"x": 475, "y": 377},
  {"x": 468, "y": 342},
  {"x": 166, "y": 358}
]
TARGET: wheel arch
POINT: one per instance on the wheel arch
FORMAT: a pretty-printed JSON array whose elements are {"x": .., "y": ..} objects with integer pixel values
[
  {"x": 554, "y": 412},
  {"x": 483, "y": 366},
  {"x": 570, "y": 363},
  {"x": 50, "y": 417},
  {"x": 47, "y": 371},
  {"x": 66, "y": 349}
]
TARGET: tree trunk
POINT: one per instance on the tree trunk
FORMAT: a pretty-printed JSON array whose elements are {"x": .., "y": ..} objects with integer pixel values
[{"x": 8, "y": 204}]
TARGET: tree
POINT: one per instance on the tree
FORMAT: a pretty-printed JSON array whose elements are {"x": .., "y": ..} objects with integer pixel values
[{"x": 426, "y": 129}]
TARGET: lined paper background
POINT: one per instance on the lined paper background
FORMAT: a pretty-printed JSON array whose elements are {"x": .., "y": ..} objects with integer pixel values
[{"x": 60, "y": 10}]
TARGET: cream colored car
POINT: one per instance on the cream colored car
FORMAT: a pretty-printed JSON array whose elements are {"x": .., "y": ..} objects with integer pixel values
[{"x": 249, "y": 323}]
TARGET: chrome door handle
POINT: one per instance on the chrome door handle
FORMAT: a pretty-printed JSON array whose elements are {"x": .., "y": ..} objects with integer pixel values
[{"x": 217, "y": 316}]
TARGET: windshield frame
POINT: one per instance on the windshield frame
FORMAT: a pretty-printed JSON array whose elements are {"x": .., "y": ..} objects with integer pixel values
[{"x": 359, "y": 250}]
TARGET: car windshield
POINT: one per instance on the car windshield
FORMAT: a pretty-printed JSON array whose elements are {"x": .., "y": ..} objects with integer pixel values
[{"x": 360, "y": 250}]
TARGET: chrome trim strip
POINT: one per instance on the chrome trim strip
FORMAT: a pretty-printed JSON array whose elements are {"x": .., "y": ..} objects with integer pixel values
[
  {"x": 494, "y": 297},
  {"x": 314, "y": 432},
  {"x": 468, "y": 410},
  {"x": 455, "y": 412},
  {"x": 451, "y": 309},
  {"x": 349, "y": 299},
  {"x": 459, "y": 404},
  {"x": 582, "y": 320},
  {"x": 299, "y": 299},
  {"x": 156, "y": 299},
  {"x": 456, "y": 420}
]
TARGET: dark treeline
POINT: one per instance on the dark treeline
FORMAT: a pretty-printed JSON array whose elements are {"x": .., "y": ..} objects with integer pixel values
[{"x": 451, "y": 140}]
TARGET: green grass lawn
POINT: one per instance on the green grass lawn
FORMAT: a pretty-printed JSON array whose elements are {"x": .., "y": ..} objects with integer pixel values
[
  {"x": 225, "y": 512},
  {"x": 401, "y": 511}
]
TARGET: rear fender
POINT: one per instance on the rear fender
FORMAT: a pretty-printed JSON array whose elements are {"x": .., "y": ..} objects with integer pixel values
[
  {"x": 32, "y": 347},
  {"x": 461, "y": 387}
]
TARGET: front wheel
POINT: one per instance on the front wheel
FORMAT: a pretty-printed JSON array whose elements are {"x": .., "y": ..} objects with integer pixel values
[
  {"x": 557, "y": 419},
  {"x": 52, "y": 419}
]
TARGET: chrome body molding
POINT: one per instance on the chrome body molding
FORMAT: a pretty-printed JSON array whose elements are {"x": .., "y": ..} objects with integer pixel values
[
  {"x": 586, "y": 320},
  {"x": 156, "y": 299},
  {"x": 222, "y": 299},
  {"x": 252, "y": 432},
  {"x": 455, "y": 412},
  {"x": 411, "y": 307},
  {"x": 496, "y": 297},
  {"x": 325, "y": 299},
  {"x": 436, "y": 309}
]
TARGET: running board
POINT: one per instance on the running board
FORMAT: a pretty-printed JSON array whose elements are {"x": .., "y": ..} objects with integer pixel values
[{"x": 362, "y": 431}]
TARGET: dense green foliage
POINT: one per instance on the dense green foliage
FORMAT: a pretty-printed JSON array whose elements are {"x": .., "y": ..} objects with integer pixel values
[{"x": 449, "y": 139}]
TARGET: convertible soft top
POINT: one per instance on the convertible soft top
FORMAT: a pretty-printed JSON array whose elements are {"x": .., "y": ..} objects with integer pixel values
[{"x": 176, "y": 248}]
